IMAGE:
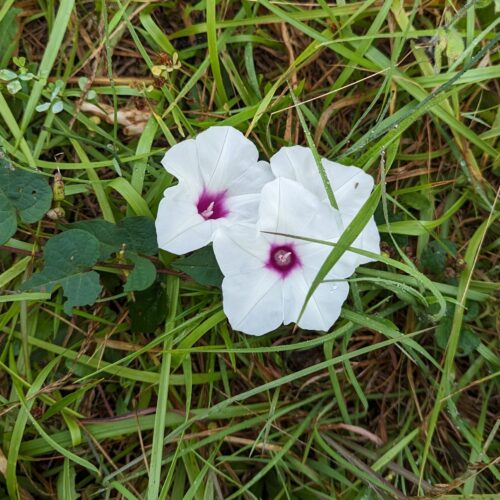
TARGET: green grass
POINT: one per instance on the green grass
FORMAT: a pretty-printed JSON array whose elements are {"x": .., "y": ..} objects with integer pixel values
[{"x": 399, "y": 398}]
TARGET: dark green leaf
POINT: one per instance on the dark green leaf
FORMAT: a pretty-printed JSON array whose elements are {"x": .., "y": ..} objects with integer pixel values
[
  {"x": 143, "y": 274},
  {"x": 137, "y": 233},
  {"x": 416, "y": 200},
  {"x": 149, "y": 309},
  {"x": 202, "y": 266},
  {"x": 21, "y": 192},
  {"x": 468, "y": 340},
  {"x": 471, "y": 310},
  {"x": 400, "y": 239},
  {"x": 434, "y": 255},
  {"x": 68, "y": 258},
  {"x": 8, "y": 222}
]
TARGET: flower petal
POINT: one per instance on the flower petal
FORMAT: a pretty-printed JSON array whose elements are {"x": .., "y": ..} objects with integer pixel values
[
  {"x": 351, "y": 185},
  {"x": 368, "y": 239},
  {"x": 224, "y": 156},
  {"x": 314, "y": 255},
  {"x": 324, "y": 307},
  {"x": 243, "y": 208},
  {"x": 217, "y": 158},
  {"x": 253, "y": 302},
  {"x": 179, "y": 227},
  {"x": 288, "y": 207},
  {"x": 240, "y": 249},
  {"x": 181, "y": 161},
  {"x": 297, "y": 163},
  {"x": 252, "y": 180}
]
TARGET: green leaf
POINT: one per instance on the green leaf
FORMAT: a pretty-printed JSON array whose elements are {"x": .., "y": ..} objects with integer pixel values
[
  {"x": 57, "y": 107},
  {"x": 20, "y": 62},
  {"x": 14, "y": 87},
  {"x": 455, "y": 45},
  {"x": 8, "y": 223},
  {"x": 149, "y": 309},
  {"x": 472, "y": 311},
  {"x": 416, "y": 200},
  {"x": 202, "y": 266},
  {"x": 68, "y": 258},
  {"x": 434, "y": 255},
  {"x": 143, "y": 274},
  {"x": 138, "y": 234},
  {"x": 26, "y": 77},
  {"x": 7, "y": 75},
  {"x": 400, "y": 239},
  {"x": 21, "y": 192},
  {"x": 82, "y": 81},
  {"x": 467, "y": 342},
  {"x": 9, "y": 29},
  {"x": 66, "y": 481},
  {"x": 44, "y": 106}
]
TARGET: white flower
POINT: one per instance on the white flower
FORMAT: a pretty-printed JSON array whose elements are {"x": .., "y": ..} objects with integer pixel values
[
  {"x": 350, "y": 185},
  {"x": 267, "y": 277},
  {"x": 220, "y": 180}
]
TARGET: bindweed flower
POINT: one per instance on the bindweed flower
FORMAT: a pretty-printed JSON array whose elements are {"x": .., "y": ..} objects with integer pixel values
[
  {"x": 267, "y": 276},
  {"x": 220, "y": 180},
  {"x": 350, "y": 185}
]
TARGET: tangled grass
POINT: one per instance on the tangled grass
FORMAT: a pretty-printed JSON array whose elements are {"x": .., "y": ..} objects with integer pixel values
[{"x": 389, "y": 403}]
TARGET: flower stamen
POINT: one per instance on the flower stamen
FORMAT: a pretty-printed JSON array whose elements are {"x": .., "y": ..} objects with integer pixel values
[
  {"x": 212, "y": 205},
  {"x": 283, "y": 259},
  {"x": 209, "y": 211}
]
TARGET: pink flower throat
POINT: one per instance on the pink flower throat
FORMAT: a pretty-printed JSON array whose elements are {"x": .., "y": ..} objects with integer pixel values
[
  {"x": 283, "y": 259},
  {"x": 212, "y": 205}
]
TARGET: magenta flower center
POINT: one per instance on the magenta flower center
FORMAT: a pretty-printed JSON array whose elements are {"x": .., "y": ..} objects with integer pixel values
[
  {"x": 283, "y": 259},
  {"x": 212, "y": 205}
]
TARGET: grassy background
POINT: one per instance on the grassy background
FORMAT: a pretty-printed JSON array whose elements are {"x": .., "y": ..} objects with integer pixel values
[{"x": 389, "y": 403}]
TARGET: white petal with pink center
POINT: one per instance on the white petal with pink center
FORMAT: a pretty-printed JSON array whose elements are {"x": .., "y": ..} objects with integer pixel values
[
  {"x": 351, "y": 187},
  {"x": 220, "y": 180},
  {"x": 267, "y": 276}
]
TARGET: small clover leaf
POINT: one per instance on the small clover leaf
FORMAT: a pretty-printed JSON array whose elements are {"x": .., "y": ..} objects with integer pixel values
[
  {"x": 7, "y": 75},
  {"x": 54, "y": 103},
  {"x": 82, "y": 81},
  {"x": 57, "y": 107},
  {"x": 14, "y": 87},
  {"x": 20, "y": 62},
  {"x": 44, "y": 106}
]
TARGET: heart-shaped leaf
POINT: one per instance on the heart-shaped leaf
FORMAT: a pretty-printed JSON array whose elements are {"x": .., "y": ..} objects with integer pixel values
[
  {"x": 68, "y": 259},
  {"x": 24, "y": 193},
  {"x": 138, "y": 234},
  {"x": 202, "y": 266}
]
